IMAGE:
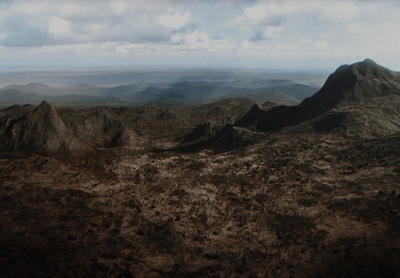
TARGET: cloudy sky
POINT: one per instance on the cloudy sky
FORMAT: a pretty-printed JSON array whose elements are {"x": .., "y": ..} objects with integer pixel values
[{"x": 218, "y": 34}]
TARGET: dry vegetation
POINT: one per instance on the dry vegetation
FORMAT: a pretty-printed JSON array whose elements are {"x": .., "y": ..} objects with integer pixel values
[{"x": 298, "y": 205}]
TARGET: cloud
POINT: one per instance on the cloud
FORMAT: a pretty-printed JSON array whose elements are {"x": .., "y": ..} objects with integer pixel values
[
  {"x": 266, "y": 33},
  {"x": 175, "y": 20},
  {"x": 35, "y": 37},
  {"x": 20, "y": 31},
  {"x": 58, "y": 26},
  {"x": 132, "y": 28},
  {"x": 255, "y": 12},
  {"x": 197, "y": 40},
  {"x": 69, "y": 23}
]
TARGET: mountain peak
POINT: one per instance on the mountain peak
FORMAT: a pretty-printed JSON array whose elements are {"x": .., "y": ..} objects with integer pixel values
[
  {"x": 366, "y": 68},
  {"x": 363, "y": 84},
  {"x": 45, "y": 105},
  {"x": 45, "y": 109},
  {"x": 355, "y": 83},
  {"x": 39, "y": 130},
  {"x": 369, "y": 69},
  {"x": 369, "y": 61}
]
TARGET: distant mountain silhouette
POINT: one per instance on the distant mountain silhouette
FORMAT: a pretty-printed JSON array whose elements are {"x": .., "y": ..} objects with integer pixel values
[
  {"x": 13, "y": 96},
  {"x": 351, "y": 93},
  {"x": 198, "y": 92}
]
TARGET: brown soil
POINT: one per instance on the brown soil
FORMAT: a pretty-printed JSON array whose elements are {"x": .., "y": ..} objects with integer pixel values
[{"x": 297, "y": 205}]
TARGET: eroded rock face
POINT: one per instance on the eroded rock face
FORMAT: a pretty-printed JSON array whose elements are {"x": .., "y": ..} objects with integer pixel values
[
  {"x": 257, "y": 112},
  {"x": 26, "y": 128},
  {"x": 38, "y": 130},
  {"x": 102, "y": 129},
  {"x": 205, "y": 131}
]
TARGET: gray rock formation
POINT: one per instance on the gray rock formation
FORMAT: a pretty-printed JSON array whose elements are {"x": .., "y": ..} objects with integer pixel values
[
  {"x": 101, "y": 129},
  {"x": 38, "y": 130}
]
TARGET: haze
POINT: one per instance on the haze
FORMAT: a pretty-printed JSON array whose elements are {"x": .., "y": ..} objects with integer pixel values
[{"x": 197, "y": 34}]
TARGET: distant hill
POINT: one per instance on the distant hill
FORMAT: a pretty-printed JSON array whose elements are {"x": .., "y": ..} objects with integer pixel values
[
  {"x": 13, "y": 96},
  {"x": 206, "y": 92},
  {"x": 44, "y": 90},
  {"x": 359, "y": 99},
  {"x": 197, "y": 92}
]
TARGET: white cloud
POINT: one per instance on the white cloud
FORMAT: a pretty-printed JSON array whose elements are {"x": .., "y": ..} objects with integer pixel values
[
  {"x": 288, "y": 29},
  {"x": 175, "y": 20},
  {"x": 58, "y": 26},
  {"x": 119, "y": 6},
  {"x": 267, "y": 33},
  {"x": 255, "y": 12},
  {"x": 197, "y": 40},
  {"x": 321, "y": 46}
]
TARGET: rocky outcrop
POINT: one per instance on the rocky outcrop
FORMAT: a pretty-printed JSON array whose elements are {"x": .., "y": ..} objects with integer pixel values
[
  {"x": 205, "y": 131},
  {"x": 257, "y": 112},
  {"x": 101, "y": 129},
  {"x": 38, "y": 130}
]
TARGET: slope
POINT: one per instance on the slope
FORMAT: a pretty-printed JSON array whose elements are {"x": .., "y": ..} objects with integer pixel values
[
  {"x": 363, "y": 96},
  {"x": 39, "y": 130}
]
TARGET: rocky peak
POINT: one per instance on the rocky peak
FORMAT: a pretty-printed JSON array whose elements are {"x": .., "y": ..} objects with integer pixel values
[
  {"x": 39, "y": 130},
  {"x": 369, "y": 69},
  {"x": 353, "y": 84},
  {"x": 45, "y": 109},
  {"x": 363, "y": 85}
]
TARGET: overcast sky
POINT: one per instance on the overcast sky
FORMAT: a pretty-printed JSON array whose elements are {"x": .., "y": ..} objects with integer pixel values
[{"x": 218, "y": 34}]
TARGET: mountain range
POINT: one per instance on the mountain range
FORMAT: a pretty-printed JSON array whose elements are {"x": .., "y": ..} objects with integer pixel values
[
  {"x": 196, "y": 92},
  {"x": 361, "y": 100}
]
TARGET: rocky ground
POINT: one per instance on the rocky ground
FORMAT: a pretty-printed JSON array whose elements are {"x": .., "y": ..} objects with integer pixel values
[
  {"x": 287, "y": 205},
  {"x": 200, "y": 191}
]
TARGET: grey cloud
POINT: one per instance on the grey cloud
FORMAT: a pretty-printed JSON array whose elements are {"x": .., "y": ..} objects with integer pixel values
[
  {"x": 23, "y": 32},
  {"x": 272, "y": 21},
  {"x": 258, "y": 36},
  {"x": 20, "y": 32},
  {"x": 116, "y": 26},
  {"x": 90, "y": 21},
  {"x": 34, "y": 37}
]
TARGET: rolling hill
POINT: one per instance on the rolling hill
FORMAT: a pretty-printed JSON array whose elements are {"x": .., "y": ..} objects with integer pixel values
[{"x": 196, "y": 92}]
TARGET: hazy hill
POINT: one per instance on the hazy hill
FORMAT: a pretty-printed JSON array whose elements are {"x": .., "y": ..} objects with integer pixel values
[
  {"x": 206, "y": 92},
  {"x": 196, "y": 92},
  {"x": 44, "y": 90},
  {"x": 12, "y": 96}
]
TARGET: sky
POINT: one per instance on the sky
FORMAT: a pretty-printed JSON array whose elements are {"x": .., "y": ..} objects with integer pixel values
[{"x": 134, "y": 34}]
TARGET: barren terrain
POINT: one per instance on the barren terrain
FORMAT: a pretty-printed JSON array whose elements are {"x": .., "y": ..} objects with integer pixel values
[
  {"x": 289, "y": 206},
  {"x": 185, "y": 191}
]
